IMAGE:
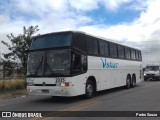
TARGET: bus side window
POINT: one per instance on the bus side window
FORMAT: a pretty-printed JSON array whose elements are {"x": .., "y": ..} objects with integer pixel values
[
  {"x": 76, "y": 63},
  {"x": 84, "y": 63}
]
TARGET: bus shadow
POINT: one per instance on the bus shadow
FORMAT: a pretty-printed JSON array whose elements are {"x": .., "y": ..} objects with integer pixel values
[
  {"x": 110, "y": 91},
  {"x": 116, "y": 90}
]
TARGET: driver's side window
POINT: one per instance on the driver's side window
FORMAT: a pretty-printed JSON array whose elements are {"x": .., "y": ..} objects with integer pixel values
[
  {"x": 79, "y": 63},
  {"x": 76, "y": 63}
]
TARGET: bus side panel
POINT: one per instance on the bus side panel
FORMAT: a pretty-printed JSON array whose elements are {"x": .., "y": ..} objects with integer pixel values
[
  {"x": 111, "y": 73},
  {"x": 79, "y": 83}
]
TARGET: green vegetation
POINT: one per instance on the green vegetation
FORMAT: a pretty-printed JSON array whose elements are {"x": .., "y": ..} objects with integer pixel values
[
  {"x": 14, "y": 84},
  {"x": 17, "y": 46}
]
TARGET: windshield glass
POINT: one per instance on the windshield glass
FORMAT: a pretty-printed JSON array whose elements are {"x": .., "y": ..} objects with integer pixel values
[
  {"x": 51, "y": 41},
  {"x": 152, "y": 68},
  {"x": 57, "y": 62},
  {"x": 35, "y": 63},
  {"x": 49, "y": 63}
]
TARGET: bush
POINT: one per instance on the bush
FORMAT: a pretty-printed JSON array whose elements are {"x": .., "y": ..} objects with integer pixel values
[{"x": 7, "y": 85}]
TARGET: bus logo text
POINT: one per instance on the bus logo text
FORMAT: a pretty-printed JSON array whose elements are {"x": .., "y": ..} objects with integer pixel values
[{"x": 108, "y": 64}]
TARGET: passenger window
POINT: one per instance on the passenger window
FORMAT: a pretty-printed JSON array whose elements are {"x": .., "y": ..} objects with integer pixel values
[
  {"x": 102, "y": 48},
  {"x": 79, "y": 42},
  {"x": 92, "y": 45},
  {"x": 137, "y": 55},
  {"x": 120, "y": 51},
  {"x": 127, "y": 53},
  {"x": 106, "y": 49},
  {"x": 133, "y": 54},
  {"x": 113, "y": 50},
  {"x": 140, "y": 55}
]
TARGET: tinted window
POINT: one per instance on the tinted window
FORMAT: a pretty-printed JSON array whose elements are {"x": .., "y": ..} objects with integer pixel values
[
  {"x": 133, "y": 54},
  {"x": 79, "y": 64},
  {"x": 113, "y": 49},
  {"x": 104, "y": 48},
  {"x": 139, "y": 56},
  {"x": 57, "y": 62},
  {"x": 152, "y": 68},
  {"x": 51, "y": 41},
  {"x": 127, "y": 53},
  {"x": 92, "y": 45},
  {"x": 76, "y": 58},
  {"x": 120, "y": 51},
  {"x": 84, "y": 63},
  {"x": 79, "y": 42}
]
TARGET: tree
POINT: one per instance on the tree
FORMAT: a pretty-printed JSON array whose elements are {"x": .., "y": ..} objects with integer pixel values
[{"x": 19, "y": 44}]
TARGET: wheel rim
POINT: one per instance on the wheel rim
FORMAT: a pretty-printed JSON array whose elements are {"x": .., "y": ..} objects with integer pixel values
[
  {"x": 89, "y": 89},
  {"x": 128, "y": 83},
  {"x": 133, "y": 83}
]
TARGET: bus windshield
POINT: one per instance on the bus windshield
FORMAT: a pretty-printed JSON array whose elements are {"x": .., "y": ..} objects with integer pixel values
[
  {"x": 152, "y": 68},
  {"x": 51, "y": 41},
  {"x": 49, "y": 63}
]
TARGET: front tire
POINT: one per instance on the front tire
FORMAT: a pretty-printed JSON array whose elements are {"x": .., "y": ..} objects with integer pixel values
[{"x": 89, "y": 89}]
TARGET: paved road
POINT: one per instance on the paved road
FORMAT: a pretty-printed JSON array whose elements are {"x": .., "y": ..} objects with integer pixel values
[{"x": 144, "y": 97}]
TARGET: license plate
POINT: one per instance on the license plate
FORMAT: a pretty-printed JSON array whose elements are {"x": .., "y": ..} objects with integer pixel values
[{"x": 45, "y": 91}]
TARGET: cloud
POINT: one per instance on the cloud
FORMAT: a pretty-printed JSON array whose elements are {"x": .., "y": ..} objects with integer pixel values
[
  {"x": 84, "y": 5},
  {"x": 57, "y": 15},
  {"x": 114, "y": 4},
  {"x": 41, "y": 8},
  {"x": 3, "y": 19}
]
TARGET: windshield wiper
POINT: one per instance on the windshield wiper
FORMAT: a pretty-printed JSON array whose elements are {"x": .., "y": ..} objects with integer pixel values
[
  {"x": 39, "y": 66},
  {"x": 52, "y": 73}
]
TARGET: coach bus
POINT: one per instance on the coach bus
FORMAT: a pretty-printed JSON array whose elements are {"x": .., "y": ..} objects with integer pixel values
[{"x": 73, "y": 63}]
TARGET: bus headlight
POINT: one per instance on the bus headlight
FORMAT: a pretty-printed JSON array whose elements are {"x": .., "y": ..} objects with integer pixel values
[
  {"x": 29, "y": 90},
  {"x": 157, "y": 74},
  {"x": 63, "y": 84},
  {"x": 30, "y": 83}
]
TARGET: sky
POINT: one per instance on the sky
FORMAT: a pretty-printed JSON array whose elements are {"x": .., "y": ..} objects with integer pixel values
[{"x": 135, "y": 23}]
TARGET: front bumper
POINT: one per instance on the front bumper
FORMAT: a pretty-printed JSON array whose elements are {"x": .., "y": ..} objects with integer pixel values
[
  {"x": 52, "y": 91},
  {"x": 151, "y": 77}
]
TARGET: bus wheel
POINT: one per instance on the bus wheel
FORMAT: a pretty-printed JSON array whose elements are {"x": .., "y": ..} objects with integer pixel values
[
  {"x": 133, "y": 81},
  {"x": 89, "y": 89},
  {"x": 128, "y": 82},
  {"x": 145, "y": 79}
]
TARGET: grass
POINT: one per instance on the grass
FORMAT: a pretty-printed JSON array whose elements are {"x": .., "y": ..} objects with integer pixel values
[{"x": 13, "y": 84}]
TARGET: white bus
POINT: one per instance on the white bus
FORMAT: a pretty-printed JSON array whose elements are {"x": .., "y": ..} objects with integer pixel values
[{"x": 73, "y": 63}]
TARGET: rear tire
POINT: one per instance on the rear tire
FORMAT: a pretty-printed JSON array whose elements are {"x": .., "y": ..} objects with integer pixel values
[
  {"x": 89, "y": 89},
  {"x": 128, "y": 82},
  {"x": 133, "y": 81}
]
